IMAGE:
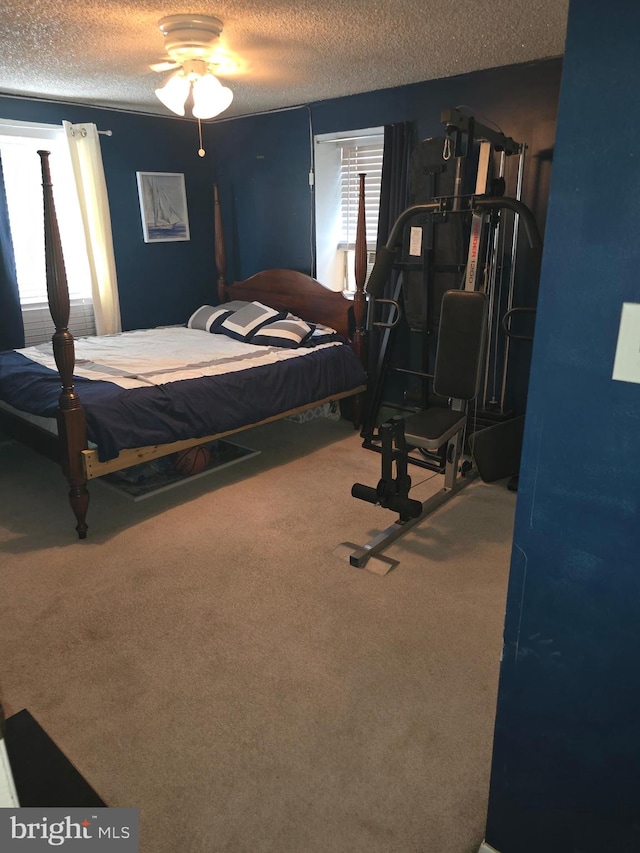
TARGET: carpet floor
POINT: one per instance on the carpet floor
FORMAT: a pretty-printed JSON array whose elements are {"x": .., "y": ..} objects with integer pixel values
[{"x": 208, "y": 657}]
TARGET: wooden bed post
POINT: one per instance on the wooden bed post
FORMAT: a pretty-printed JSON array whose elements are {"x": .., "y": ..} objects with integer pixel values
[
  {"x": 72, "y": 428},
  {"x": 220, "y": 256},
  {"x": 359, "y": 299},
  {"x": 360, "y": 271}
]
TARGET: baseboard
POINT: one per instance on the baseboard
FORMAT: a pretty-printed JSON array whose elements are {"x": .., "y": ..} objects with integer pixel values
[{"x": 487, "y": 848}]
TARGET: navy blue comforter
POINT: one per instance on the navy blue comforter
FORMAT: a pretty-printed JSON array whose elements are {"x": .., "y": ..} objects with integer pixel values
[{"x": 119, "y": 418}]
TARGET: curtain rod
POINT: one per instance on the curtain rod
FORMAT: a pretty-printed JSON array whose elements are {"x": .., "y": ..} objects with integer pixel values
[
  {"x": 33, "y": 124},
  {"x": 84, "y": 132}
]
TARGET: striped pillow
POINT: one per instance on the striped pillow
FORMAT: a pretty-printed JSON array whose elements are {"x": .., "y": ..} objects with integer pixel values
[
  {"x": 208, "y": 318},
  {"x": 244, "y": 323},
  {"x": 290, "y": 332}
]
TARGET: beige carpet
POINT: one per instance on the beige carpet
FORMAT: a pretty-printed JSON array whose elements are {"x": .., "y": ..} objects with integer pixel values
[{"x": 207, "y": 657}]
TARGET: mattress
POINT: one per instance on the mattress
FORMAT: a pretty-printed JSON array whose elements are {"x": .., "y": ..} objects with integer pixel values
[{"x": 156, "y": 386}]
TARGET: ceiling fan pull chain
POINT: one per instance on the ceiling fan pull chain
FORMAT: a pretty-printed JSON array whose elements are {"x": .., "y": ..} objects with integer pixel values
[{"x": 201, "y": 151}]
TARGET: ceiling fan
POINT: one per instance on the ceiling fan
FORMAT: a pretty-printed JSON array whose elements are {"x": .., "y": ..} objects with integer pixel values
[{"x": 194, "y": 54}]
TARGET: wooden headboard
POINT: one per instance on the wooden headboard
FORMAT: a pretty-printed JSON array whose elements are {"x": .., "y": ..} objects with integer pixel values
[
  {"x": 297, "y": 292},
  {"x": 288, "y": 290}
]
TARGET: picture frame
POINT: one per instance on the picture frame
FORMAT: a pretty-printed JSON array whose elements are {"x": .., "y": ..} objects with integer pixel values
[{"x": 163, "y": 206}]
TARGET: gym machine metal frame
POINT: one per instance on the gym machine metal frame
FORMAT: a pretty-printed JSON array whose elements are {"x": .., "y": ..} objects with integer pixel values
[
  {"x": 457, "y": 375},
  {"x": 399, "y": 435}
]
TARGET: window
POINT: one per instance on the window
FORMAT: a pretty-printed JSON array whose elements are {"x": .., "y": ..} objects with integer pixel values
[
  {"x": 19, "y": 144},
  {"x": 339, "y": 160}
]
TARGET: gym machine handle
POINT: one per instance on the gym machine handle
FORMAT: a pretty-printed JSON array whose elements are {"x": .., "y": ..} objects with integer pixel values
[
  {"x": 506, "y": 323},
  {"x": 365, "y": 493},
  {"x": 528, "y": 220},
  {"x": 392, "y": 323},
  {"x": 405, "y": 507}
]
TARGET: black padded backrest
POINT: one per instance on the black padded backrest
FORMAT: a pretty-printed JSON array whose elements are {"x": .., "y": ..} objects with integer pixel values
[{"x": 459, "y": 356}]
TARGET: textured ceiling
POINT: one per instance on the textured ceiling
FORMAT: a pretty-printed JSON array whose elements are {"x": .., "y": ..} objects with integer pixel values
[{"x": 288, "y": 52}]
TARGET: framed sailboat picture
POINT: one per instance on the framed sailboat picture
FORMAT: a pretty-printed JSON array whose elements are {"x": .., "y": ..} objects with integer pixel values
[{"x": 163, "y": 206}]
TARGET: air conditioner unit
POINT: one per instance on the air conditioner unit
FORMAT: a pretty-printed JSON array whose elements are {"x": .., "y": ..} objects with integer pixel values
[
  {"x": 371, "y": 259},
  {"x": 39, "y": 327},
  {"x": 349, "y": 269}
]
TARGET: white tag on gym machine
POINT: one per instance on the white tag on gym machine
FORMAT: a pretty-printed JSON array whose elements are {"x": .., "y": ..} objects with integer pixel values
[
  {"x": 415, "y": 241},
  {"x": 626, "y": 367}
]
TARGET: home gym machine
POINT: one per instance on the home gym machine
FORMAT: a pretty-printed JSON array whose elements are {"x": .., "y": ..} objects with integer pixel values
[{"x": 446, "y": 278}]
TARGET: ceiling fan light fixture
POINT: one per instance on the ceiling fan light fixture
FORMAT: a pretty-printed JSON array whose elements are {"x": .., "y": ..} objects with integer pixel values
[
  {"x": 190, "y": 41},
  {"x": 175, "y": 92},
  {"x": 210, "y": 97}
]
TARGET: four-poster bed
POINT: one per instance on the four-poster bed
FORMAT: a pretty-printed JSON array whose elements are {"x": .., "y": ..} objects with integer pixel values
[{"x": 93, "y": 417}]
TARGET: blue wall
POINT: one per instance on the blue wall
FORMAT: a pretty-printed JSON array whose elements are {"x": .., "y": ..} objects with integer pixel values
[
  {"x": 262, "y": 163},
  {"x": 262, "y": 169},
  {"x": 566, "y": 764}
]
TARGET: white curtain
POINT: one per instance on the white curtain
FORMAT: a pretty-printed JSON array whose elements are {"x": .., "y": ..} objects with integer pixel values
[{"x": 86, "y": 157}]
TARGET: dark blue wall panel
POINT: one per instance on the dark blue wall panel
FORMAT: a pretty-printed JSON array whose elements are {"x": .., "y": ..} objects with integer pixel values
[
  {"x": 262, "y": 166},
  {"x": 566, "y": 765}
]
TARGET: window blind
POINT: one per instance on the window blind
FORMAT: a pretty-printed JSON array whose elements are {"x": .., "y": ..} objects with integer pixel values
[{"x": 357, "y": 158}]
